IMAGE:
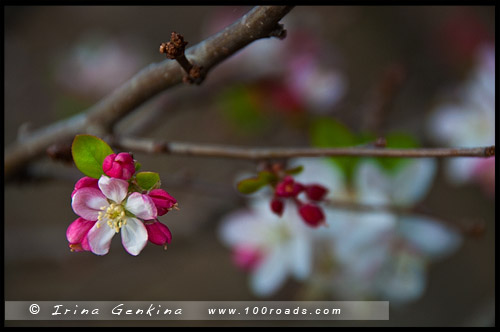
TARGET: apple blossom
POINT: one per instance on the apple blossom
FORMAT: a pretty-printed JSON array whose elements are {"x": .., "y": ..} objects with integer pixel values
[{"x": 114, "y": 210}]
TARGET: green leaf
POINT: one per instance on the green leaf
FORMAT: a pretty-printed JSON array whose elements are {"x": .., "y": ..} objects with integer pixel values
[
  {"x": 295, "y": 170},
  {"x": 330, "y": 133},
  {"x": 249, "y": 186},
  {"x": 397, "y": 140},
  {"x": 267, "y": 177},
  {"x": 89, "y": 153},
  {"x": 137, "y": 166},
  {"x": 147, "y": 180}
]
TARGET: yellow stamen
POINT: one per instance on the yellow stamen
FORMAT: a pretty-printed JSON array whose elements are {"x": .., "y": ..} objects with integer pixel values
[{"x": 114, "y": 215}]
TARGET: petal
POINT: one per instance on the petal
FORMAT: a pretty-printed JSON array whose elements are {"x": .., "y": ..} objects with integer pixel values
[
  {"x": 271, "y": 272},
  {"x": 300, "y": 250},
  {"x": 134, "y": 236},
  {"x": 87, "y": 203},
  {"x": 429, "y": 237},
  {"x": 85, "y": 182},
  {"x": 114, "y": 189},
  {"x": 372, "y": 185},
  {"x": 404, "y": 279},
  {"x": 78, "y": 230},
  {"x": 158, "y": 233},
  {"x": 413, "y": 181},
  {"x": 100, "y": 238},
  {"x": 243, "y": 227},
  {"x": 142, "y": 206}
]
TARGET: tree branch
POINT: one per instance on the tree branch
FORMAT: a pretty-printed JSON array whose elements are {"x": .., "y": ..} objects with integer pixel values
[
  {"x": 260, "y": 22},
  {"x": 225, "y": 151}
]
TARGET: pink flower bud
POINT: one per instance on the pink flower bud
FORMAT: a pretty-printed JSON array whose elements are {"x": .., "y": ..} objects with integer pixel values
[
  {"x": 277, "y": 206},
  {"x": 246, "y": 258},
  {"x": 312, "y": 214},
  {"x": 163, "y": 201},
  {"x": 119, "y": 166},
  {"x": 288, "y": 188},
  {"x": 158, "y": 233},
  {"x": 85, "y": 182},
  {"x": 77, "y": 234},
  {"x": 316, "y": 192}
]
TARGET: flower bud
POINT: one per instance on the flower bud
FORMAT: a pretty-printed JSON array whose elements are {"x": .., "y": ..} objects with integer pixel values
[
  {"x": 288, "y": 188},
  {"x": 316, "y": 192},
  {"x": 246, "y": 258},
  {"x": 85, "y": 182},
  {"x": 158, "y": 233},
  {"x": 312, "y": 214},
  {"x": 77, "y": 234},
  {"x": 119, "y": 166},
  {"x": 277, "y": 206},
  {"x": 163, "y": 201}
]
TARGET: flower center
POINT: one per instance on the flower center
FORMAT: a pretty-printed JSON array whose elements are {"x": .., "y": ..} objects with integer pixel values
[{"x": 114, "y": 215}]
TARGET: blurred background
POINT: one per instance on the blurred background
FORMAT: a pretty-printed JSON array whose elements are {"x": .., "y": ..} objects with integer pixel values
[{"x": 387, "y": 69}]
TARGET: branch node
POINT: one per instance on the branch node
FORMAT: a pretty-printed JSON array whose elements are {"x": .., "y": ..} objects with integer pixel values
[
  {"x": 174, "y": 49},
  {"x": 380, "y": 142},
  {"x": 279, "y": 32},
  {"x": 489, "y": 151}
]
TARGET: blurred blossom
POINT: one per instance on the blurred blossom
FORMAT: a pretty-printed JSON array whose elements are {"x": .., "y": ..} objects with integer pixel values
[
  {"x": 381, "y": 254},
  {"x": 283, "y": 245},
  {"x": 301, "y": 76},
  {"x": 360, "y": 254},
  {"x": 469, "y": 121},
  {"x": 95, "y": 66}
]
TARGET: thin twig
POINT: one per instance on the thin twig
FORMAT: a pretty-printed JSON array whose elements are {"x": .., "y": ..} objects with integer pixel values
[
  {"x": 260, "y": 22},
  {"x": 225, "y": 151}
]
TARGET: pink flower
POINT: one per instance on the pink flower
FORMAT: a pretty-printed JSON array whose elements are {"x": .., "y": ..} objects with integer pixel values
[
  {"x": 85, "y": 182},
  {"x": 158, "y": 233},
  {"x": 114, "y": 209},
  {"x": 247, "y": 258},
  {"x": 163, "y": 201},
  {"x": 120, "y": 166},
  {"x": 316, "y": 192},
  {"x": 77, "y": 234},
  {"x": 277, "y": 206},
  {"x": 312, "y": 214},
  {"x": 288, "y": 188}
]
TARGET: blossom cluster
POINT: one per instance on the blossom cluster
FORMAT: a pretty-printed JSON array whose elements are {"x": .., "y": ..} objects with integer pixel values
[
  {"x": 116, "y": 203},
  {"x": 378, "y": 253},
  {"x": 306, "y": 197}
]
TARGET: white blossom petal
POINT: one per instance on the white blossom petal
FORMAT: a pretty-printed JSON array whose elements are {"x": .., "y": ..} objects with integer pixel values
[
  {"x": 271, "y": 272},
  {"x": 429, "y": 237},
  {"x": 300, "y": 251},
  {"x": 372, "y": 185},
  {"x": 100, "y": 238},
  {"x": 87, "y": 203},
  {"x": 134, "y": 236},
  {"x": 242, "y": 228},
  {"x": 114, "y": 189},
  {"x": 404, "y": 279},
  {"x": 142, "y": 206},
  {"x": 413, "y": 182}
]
